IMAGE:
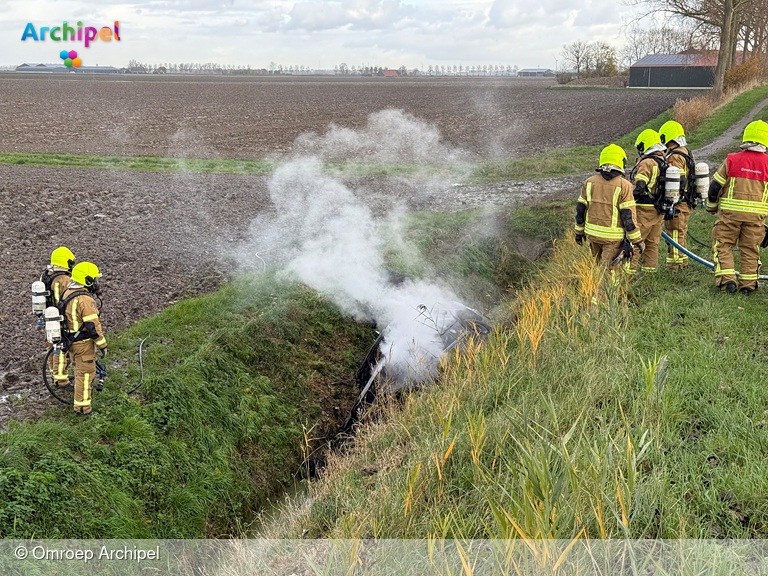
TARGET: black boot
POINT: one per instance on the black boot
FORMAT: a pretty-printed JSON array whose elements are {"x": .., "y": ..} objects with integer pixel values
[
  {"x": 747, "y": 291},
  {"x": 731, "y": 287}
]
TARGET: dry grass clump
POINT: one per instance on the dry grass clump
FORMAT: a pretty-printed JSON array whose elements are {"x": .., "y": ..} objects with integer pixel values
[
  {"x": 691, "y": 113},
  {"x": 746, "y": 73}
]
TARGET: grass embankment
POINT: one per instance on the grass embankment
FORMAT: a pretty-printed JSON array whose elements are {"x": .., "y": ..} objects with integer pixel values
[
  {"x": 231, "y": 379},
  {"x": 551, "y": 162},
  {"x": 642, "y": 416},
  {"x": 565, "y": 161},
  {"x": 234, "y": 380}
]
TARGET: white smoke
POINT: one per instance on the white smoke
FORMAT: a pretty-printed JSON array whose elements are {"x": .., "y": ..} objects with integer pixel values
[
  {"x": 390, "y": 136},
  {"x": 321, "y": 234}
]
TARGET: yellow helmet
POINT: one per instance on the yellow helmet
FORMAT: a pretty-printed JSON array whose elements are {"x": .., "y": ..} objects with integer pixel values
[
  {"x": 86, "y": 274},
  {"x": 614, "y": 155},
  {"x": 647, "y": 139},
  {"x": 757, "y": 131},
  {"x": 63, "y": 257},
  {"x": 671, "y": 131}
]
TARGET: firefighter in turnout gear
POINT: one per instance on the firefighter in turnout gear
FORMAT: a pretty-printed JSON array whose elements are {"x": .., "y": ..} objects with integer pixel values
[
  {"x": 56, "y": 278},
  {"x": 648, "y": 193},
  {"x": 673, "y": 136},
  {"x": 605, "y": 213},
  {"x": 738, "y": 194},
  {"x": 82, "y": 316}
]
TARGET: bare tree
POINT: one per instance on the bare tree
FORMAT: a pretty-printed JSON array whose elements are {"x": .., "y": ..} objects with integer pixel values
[{"x": 576, "y": 54}]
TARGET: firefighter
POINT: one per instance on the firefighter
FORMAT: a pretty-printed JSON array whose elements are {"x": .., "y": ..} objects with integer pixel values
[
  {"x": 738, "y": 194},
  {"x": 673, "y": 136},
  {"x": 82, "y": 317},
  {"x": 56, "y": 278},
  {"x": 605, "y": 213},
  {"x": 648, "y": 195}
]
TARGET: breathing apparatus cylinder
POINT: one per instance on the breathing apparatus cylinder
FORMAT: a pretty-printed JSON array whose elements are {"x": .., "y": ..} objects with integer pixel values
[
  {"x": 672, "y": 184},
  {"x": 702, "y": 181},
  {"x": 52, "y": 325},
  {"x": 671, "y": 188},
  {"x": 39, "y": 298}
]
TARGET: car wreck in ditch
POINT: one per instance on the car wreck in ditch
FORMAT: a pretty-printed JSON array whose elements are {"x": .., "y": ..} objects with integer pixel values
[{"x": 385, "y": 370}]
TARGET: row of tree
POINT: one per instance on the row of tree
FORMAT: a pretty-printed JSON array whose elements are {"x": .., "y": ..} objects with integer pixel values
[
  {"x": 437, "y": 70},
  {"x": 343, "y": 69},
  {"x": 187, "y": 68}
]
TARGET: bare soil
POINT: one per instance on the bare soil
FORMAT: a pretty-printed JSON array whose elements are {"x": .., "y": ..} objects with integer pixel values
[{"x": 250, "y": 118}]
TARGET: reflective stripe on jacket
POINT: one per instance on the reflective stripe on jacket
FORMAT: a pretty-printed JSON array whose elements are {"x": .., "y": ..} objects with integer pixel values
[
  {"x": 80, "y": 310},
  {"x": 604, "y": 200},
  {"x": 744, "y": 180}
]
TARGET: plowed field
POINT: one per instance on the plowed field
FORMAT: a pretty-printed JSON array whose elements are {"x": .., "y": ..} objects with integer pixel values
[{"x": 250, "y": 118}]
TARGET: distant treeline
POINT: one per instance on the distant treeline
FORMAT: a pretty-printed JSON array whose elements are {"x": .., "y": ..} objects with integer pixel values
[{"x": 136, "y": 67}]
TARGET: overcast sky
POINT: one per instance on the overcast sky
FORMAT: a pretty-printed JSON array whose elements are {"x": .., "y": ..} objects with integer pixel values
[{"x": 317, "y": 33}]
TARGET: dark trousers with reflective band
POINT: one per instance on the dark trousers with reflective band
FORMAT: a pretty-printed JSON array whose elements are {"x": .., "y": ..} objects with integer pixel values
[
  {"x": 650, "y": 222},
  {"x": 83, "y": 355},
  {"x": 727, "y": 233},
  {"x": 677, "y": 228}
]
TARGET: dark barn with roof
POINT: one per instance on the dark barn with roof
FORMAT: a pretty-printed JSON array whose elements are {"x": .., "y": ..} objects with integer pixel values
[{"x": 673, "y": 71}]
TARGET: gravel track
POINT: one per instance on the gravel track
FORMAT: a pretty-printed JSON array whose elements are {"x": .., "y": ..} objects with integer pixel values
[{"x": 731, "y": 138}]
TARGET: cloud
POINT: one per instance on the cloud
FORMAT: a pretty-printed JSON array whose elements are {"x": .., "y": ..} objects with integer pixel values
[
  {"x": 322, "y": 32},
  {"x": 355, "y": 14},
  {"x": 518, "y": 14}
]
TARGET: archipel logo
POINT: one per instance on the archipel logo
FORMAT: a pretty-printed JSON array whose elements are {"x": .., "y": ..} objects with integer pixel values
[{"x": 105, "y": 34}]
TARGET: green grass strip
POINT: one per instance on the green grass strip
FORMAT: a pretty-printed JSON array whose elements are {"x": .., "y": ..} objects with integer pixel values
[{"x": 143, "y": 163}]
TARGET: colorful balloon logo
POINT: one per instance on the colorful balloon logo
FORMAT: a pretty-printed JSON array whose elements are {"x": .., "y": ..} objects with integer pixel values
[{"x": 70, "y": 58}]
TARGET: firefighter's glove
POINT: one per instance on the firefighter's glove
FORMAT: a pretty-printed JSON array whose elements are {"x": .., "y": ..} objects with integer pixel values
[
  {"x": 103, "y": 352},
  {"x": 579, "y": 238},
  {"x": 640, "y": 247},
  {"x": 764, "y": 243}
]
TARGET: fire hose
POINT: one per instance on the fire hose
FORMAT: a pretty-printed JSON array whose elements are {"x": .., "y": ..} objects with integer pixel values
[
  {"x": 101, "y": 373},
  {"x": 696, "y": 258}
]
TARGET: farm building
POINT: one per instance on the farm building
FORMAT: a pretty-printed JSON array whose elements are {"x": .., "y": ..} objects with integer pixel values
[
  {"x": 536, "y": 73},
  {"x": 61, "y": 69},
  {"x": 684, "y": 70},
  {"x": 390, "y": 73}
]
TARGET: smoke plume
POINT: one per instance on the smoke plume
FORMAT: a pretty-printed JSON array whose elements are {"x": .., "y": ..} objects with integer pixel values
[{"x": 322, "y": 234}]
